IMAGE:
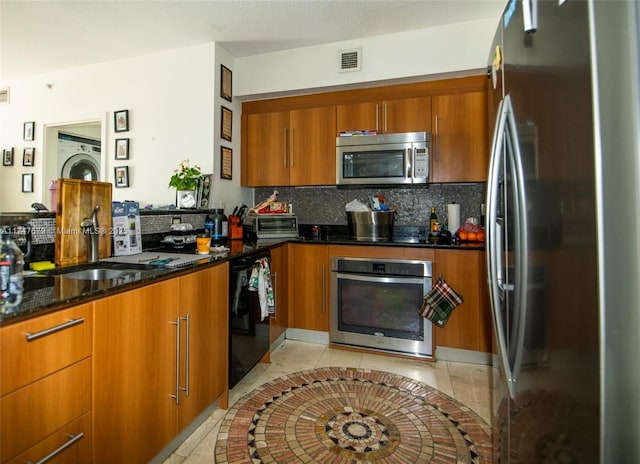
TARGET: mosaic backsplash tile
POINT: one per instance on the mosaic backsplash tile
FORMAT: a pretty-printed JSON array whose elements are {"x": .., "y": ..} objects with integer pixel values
[{"x": 326, "y": 205}]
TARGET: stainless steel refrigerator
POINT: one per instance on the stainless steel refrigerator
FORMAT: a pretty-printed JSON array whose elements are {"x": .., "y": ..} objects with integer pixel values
[{"x": 563, "y": 215}]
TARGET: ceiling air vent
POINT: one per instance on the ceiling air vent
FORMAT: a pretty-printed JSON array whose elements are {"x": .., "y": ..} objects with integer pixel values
[
  {"x": 4, "y": 95},
  {"x": 351, "y": 60}
]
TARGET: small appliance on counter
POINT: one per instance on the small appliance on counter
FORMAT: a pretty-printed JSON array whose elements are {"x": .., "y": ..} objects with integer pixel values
[
  {"x": 271, "y": 225},
  {"x": 182, "y": 236}
]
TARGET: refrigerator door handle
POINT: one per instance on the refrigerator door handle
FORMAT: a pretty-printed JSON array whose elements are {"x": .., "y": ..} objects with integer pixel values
[
  {"x": 494, "y": 244},
  {"x": 521, "y": 241},
  {"x": 505, "y": 142}
]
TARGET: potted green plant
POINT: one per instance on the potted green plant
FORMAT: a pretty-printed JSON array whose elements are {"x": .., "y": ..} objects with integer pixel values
[{"x": 186, "y": 179}]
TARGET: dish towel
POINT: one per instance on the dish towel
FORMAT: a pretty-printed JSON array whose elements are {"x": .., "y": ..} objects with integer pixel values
[
  {"x": 439, "y": 303},
  {"x": 260, "y": 281}
]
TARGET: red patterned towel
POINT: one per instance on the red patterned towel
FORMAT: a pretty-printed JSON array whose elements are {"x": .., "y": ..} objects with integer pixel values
[{"x": 439, "y": 303}]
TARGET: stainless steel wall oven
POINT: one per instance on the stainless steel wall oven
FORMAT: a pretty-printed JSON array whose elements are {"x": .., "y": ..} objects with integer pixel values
[{"x": 374, "y": 305}]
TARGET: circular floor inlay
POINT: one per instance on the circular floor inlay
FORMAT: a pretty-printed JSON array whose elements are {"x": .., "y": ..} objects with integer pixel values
[{"x": 350, "y": 415}]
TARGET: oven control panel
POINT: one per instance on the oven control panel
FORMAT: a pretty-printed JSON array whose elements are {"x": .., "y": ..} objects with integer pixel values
[{"x": 383, "y": 267}]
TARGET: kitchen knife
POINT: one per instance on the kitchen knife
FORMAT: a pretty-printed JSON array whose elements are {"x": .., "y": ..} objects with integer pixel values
[{"x": 235, "y": 210}]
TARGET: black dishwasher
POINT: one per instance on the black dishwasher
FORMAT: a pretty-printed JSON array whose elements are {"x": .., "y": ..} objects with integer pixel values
[{"x": 248, "y": 334}]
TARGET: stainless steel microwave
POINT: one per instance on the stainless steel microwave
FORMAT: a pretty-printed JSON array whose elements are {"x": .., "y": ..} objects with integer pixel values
[{"x": 382, "y": 159}]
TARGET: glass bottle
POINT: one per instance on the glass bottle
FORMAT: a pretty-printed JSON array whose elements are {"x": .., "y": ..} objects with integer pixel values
[
  {"x": 433, "y": 221},
  {"x": 11, "y": 279}
]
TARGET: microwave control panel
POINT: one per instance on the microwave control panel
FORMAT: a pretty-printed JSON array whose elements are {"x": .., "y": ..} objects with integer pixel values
[{"x": 420, "y": 162}]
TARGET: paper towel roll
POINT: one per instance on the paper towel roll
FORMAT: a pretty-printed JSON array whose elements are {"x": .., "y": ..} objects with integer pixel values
[{"x": 453, "y": 217}]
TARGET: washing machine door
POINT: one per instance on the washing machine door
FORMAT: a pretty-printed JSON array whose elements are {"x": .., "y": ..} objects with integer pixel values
[{"x": 81, "y": 166}]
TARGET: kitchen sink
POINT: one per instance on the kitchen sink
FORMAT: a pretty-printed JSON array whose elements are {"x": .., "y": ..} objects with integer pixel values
[
  {"x": 103, "y": 271},
  {"x": 96, "y": 274}
]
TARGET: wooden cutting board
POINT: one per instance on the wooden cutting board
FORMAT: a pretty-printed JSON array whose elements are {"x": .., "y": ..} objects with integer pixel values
[{"x": 76, "y": 200}]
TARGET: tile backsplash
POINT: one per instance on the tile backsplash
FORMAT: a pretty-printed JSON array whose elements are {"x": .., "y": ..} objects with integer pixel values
[{"x": 326, "y": 205}]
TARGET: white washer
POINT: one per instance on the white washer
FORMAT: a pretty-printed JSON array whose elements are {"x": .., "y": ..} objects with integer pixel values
[{"x": 78, "y": 157}]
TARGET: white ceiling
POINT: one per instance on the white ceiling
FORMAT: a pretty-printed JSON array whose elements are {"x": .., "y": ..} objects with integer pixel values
[{"x": 46, "y": 35}]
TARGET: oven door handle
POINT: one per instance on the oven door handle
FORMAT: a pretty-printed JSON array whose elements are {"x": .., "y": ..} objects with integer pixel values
[{"x": 381, "y": 279}]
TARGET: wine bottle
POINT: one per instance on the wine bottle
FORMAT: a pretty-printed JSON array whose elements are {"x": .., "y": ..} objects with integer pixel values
[{"x": 433, "y": 221}]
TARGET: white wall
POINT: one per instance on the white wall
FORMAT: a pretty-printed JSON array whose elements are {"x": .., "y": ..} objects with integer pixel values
[
  {"x": 170, "y": 97},
  {"x": 426, "y": 52}
]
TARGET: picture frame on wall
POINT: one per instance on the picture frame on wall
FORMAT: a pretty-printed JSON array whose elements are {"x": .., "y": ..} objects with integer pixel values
[
  {"x": 226, "y": 121},
  {"x": 28, "y": 131},
  {"x": 27, "y": 156},
  {"x": 122, "y": 149},
  {"x": 121, "y": 120},
  {"x": 225, "y": 82},
  {"x": 226, "y": 163},
  {"x": 27, "y": 183},
  {"x": 7, "y": 157},
  {"x": 121, "y": 174}
]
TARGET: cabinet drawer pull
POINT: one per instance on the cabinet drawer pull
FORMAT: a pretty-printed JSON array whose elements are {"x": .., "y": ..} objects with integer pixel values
[
  {"x": 43, "y": 333},
  {"x": 185, "y": 389},
  {"x": 177, "y": 395},
  {"x": 324, "y": 291},
  {"x": 64, "y": 446},
  {"x": 437, "y": 150}
]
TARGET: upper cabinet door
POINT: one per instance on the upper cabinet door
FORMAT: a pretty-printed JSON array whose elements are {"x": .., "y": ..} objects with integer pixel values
[
  {"x": 312, "y": 146},
  {"x": 267, "y": 149},
  {"x": 357, "y": 116},
  {"x": 406, "y": 115},
  {"x": 386, "y": 116},
  {"x": 459, "y": 141}
]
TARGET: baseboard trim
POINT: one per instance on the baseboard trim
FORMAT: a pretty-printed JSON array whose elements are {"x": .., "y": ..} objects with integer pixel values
[
  {"x": 311, "y": 336},
  {"x": 467, "y": 356}
]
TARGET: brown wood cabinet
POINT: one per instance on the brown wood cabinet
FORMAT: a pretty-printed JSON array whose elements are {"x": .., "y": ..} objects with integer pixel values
[
  {"x": 309, "y": 275},
  {"x": 204, "y": 296},
  {"x": 469, "y": 326},
  {"x": 291, "y": 140},
  {"x": 45, "y": 385},
  {"x": 460, "y": 138},
  {"x": 279, "y": 280},
  {"x": 143, "y": 366},
  {"x": 135, "y": 415},
  {"x": 295, "y": 147},
  {"x": 386, "y": 116}
]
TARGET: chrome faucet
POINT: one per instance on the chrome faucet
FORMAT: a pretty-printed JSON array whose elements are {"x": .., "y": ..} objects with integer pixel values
[{"x": 91, "y": 229}]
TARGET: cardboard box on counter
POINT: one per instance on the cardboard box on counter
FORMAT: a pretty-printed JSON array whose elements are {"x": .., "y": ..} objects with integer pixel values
[{"x": 127, "y": 234}]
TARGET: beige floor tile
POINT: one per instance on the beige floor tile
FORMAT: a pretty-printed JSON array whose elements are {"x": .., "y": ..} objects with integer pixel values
[{"x": 333, "y": 357}]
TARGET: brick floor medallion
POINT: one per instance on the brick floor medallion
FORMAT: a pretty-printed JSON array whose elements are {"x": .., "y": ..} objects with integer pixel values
[{"x": 350, "y": 416}]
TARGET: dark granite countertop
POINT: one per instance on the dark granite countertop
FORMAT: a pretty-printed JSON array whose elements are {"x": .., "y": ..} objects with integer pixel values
[{"x": 49, "y": 291}]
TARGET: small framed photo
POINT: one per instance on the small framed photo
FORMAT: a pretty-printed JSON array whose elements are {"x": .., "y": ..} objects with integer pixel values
[
  {"x": 225, "y": 82},
  {"x": 27, "y": 131},
  {"x": 122, "y": 149},
  {"x": 7, "y": 157},
  {"x": 226, "y": 163},
  {"x": 122, "y": 176},
  {"x": 121, "y": 120},
  {"x": 27, "y": 156},
  {"x": 27, "y": 183},
  {"x": 204, "y": 191},
  {"x": 226, "y": 118}
]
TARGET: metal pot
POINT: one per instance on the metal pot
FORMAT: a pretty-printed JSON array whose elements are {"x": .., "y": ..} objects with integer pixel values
[{"x": 371, "y": 225}]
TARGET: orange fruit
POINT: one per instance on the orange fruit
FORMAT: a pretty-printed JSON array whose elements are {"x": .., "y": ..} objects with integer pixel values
[
  {"x": 481, "y": 236},
  {"x": 462, "y": 235},
  {"x": 472, "y": 236}
]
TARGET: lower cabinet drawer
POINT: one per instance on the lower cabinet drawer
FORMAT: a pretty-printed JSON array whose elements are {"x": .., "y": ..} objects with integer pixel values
[
  {"x": 40, "y": 346},
  {"x": 34, "y": 412},
  {"x": 69, "y": 445}
]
